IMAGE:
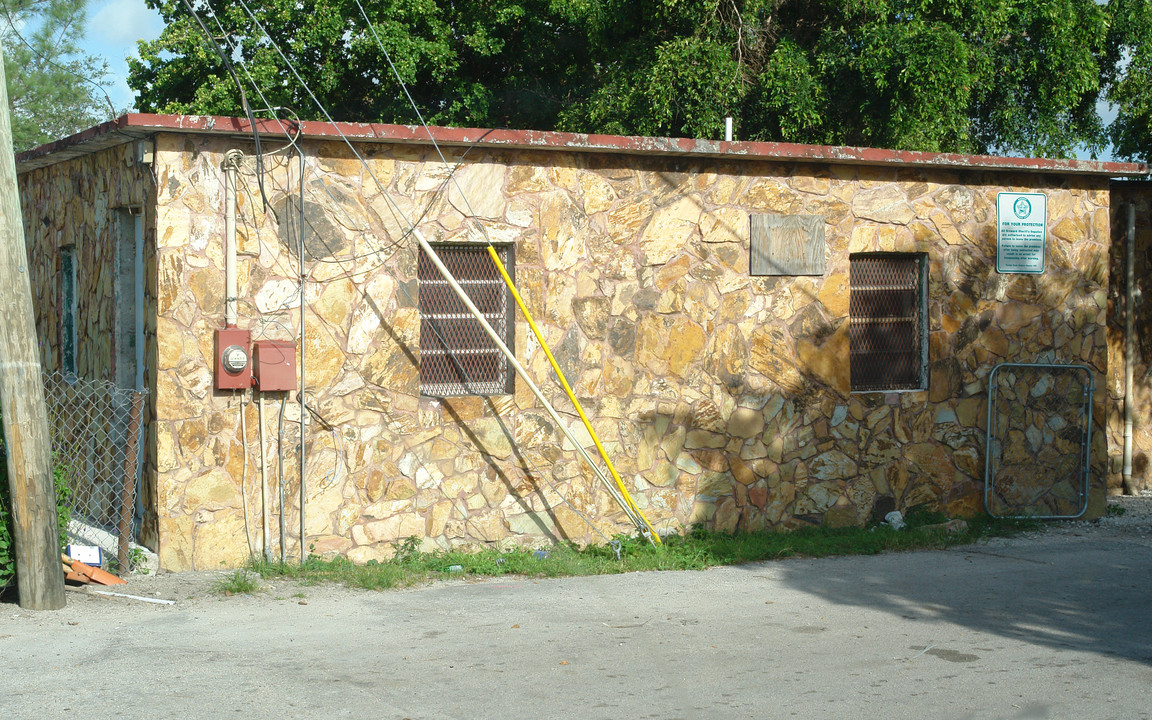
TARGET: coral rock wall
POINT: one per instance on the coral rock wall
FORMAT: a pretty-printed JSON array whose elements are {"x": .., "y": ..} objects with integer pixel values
[
  {"x": 722, "y": 398},
  {"x": 83, "y": 204}
]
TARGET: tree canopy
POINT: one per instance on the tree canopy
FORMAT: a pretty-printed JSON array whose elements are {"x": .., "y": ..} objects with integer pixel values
[
  {"x": 986, "y": 76},
  {"x": 54, "y": 89}
]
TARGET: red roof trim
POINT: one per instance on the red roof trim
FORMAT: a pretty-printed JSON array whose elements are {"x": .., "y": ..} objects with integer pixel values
[{"x": 137, "y": 125}]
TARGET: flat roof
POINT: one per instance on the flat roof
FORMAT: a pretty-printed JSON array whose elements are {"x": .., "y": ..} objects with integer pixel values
[{"x": 139, "y": 125}]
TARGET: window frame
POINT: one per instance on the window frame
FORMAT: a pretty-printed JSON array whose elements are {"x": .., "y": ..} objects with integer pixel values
[
  {"x": 427, "y": 277},
  {"x": 921, "y": 330}
]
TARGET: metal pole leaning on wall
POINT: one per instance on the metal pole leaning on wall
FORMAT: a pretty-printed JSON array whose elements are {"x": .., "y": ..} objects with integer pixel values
[
  {"x": 511, "y": 357},
  {"x": 571, "y": 395},
  {"x": 25, "y": 418}
]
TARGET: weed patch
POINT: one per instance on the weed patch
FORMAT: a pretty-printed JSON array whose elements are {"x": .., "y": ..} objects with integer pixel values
[
  {"x": 695, "y": 550},
  {"x": 241, "y": 582}
]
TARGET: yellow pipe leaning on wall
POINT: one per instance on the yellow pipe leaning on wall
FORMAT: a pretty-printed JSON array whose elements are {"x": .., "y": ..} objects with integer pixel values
[{"x": 572, "y": 396}]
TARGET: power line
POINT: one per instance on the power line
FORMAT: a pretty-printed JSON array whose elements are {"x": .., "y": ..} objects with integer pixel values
[
  {"x": 53, "y": 63},
  {"x": 375, "y": 179}
]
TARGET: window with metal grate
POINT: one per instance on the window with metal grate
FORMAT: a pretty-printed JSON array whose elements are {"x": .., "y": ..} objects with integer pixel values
[
  {"x": 887, "y": 307},
  {"x": 456, "y": 356}
]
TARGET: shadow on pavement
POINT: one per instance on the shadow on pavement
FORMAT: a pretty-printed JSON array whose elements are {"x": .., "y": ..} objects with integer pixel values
[{"x": 1090, "y": 591}]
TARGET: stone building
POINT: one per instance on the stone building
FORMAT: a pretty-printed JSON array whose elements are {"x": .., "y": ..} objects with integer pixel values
[{"x": 764, "y": 335}]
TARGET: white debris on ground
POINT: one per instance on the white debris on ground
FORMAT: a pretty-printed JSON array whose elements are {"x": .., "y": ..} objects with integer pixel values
[{"x": 140, "y": 558}]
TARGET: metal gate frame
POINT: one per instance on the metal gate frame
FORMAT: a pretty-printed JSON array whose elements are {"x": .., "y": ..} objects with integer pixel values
[{"x": 1085, "y": 445}]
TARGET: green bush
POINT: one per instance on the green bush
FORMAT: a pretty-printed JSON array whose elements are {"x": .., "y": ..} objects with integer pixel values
[{"x": 60, "y": 473}]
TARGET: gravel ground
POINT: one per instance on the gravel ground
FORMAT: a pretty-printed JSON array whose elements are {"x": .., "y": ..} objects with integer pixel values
[{"x": 1051, "y": 624}]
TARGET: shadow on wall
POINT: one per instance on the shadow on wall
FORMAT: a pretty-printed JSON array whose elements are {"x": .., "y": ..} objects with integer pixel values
[
  {"x": 788, "y": 447},
  {"x": 1140, "y": 194},
  {"x": 1054, "y": 591}
]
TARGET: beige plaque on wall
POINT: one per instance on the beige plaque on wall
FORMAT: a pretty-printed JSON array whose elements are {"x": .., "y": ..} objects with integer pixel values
[{"x": 787, "y": 245}]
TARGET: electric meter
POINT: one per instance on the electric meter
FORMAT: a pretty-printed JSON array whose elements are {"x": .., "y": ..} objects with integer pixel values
[{"x": 234, "y": 358}]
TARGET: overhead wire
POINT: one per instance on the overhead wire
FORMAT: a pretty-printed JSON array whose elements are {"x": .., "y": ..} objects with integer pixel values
[
  {"x": 375, "y": 179},
  {"x": 625, "y": 497},
  {"x": 239, "y": 87},
  {"x": 629, "y": 508},
  {"x": 53, "y": 63}
]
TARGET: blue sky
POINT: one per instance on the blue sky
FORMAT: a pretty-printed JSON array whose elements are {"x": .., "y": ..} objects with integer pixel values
[{"x": 114, "y": 26}]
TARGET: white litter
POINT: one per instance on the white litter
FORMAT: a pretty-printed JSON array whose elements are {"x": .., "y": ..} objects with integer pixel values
[{"x": 155, "y": 601}]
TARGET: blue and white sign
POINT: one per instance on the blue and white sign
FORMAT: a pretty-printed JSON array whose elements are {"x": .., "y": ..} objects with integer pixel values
[{"x": 1021, "y": 232}]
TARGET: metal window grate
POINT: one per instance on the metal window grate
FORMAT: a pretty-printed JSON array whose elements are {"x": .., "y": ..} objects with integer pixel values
[
  {"x": 456, "y": 356},
  {"x": 886, "y": 332}
]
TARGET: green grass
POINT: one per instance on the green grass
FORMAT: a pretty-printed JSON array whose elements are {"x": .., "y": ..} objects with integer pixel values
[
  {"x": 241, "y": 582},
  {"x": 696, "y": 550}
]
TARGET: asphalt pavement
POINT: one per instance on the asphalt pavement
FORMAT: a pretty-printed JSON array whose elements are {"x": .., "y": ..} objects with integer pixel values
[{"x": 1054, "y": 625}]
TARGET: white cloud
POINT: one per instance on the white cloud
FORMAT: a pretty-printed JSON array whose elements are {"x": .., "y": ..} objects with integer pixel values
[
  {"x": 120, "y": 23},
  {"x": 113, "y": 28}
]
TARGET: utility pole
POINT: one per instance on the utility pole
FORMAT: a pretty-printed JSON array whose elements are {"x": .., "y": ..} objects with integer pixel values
[{"x": 34, "y": 525}]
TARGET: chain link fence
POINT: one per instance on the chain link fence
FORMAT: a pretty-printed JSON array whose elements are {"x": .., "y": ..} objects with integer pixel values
[
  {"x": 1039, "y": 440},
  {"x": 95, "y": 431}
]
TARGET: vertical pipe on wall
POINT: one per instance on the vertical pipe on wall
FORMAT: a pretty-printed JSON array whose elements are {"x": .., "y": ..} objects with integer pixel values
[
  {"x": 1129, "y": 344},
  {"x": 231, "y": 167},
  {"x": 280, "y": 480},
  {"x": 263, "y": 480},
  {"x": 303, "y": 406},
  {"x": 728, "y": 129}
]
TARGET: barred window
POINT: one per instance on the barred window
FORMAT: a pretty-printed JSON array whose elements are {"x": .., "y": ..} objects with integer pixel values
[
  {"x": 888, "y": 308},
  {"x": 456, "y": 356}
]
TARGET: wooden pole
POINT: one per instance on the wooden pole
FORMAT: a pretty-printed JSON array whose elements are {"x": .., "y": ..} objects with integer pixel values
[{"x": 25, "y": 418}]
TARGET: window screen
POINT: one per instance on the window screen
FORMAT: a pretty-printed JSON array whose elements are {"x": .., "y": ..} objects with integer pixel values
[
  {"x": 456, "y": 356},
  {"x": 887, "y": 309},
  {"x": 67, "y": 310}
]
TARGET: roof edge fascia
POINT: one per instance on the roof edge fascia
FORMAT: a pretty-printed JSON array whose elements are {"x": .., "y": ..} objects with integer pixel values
[{"x": 139, "y": 125}]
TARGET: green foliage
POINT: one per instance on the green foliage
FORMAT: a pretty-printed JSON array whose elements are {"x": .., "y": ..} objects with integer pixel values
[
  {"x": 1130, "y": 77},
  {"x": 7, "y": 550},
  {"x": 240, "y": 582},
  {"x": 696, "y": 550},
  {"x": 54, "y": 89},
  {"x": 941, "y": 75},
  {"x": 61, "y": 473}
]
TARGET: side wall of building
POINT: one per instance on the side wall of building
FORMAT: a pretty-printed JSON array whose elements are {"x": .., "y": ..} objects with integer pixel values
[
  {"x": 723, "y": 398},
  {"x": 84, "y": 207},
  {"x": 1123, "y": 195}
]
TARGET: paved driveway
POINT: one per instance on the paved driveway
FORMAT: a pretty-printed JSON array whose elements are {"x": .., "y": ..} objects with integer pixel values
[{"x": 1048, "y": 626}]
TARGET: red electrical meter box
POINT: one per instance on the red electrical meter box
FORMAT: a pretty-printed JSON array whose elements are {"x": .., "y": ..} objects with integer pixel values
[
  {"x": 275, "y": 365},
  {"x": 233, "y": 365}
]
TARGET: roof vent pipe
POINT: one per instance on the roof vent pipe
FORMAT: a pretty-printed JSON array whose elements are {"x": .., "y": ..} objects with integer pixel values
[{"x": 231, "y": 168}]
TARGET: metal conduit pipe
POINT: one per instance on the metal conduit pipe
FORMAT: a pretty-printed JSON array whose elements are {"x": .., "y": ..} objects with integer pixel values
[
  {"x": 263, "y": 480},
  {"x": 1129, "y": 344},
  {"x": 231, "y": 169},
  {"x": 280, "y": 482},
  {"x": 244, "y": 478},
  {"x": 495, "y": 337},
  {"x": 303, "y": 401}
]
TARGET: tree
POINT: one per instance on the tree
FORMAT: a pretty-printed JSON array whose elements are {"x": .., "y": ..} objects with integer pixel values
[
  {"x": 500, "y": 63},
  {"x": 1018, "y": 76},
  {"x": 54, "y": 88},
  {"x": 1130, "y": 78}
]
